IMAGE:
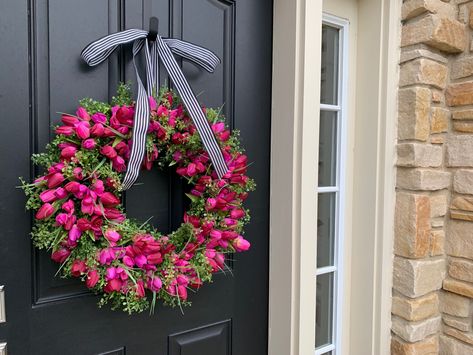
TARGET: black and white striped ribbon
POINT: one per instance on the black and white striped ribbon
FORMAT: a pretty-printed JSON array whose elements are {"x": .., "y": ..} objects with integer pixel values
[{"x": 163, "y": 49}]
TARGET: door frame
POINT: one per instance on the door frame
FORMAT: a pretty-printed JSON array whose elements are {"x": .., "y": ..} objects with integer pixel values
[{"x": 294, "y": 154}]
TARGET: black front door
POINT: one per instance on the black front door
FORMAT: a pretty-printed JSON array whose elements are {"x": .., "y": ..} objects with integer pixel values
[{"x": 41, "y": 74}]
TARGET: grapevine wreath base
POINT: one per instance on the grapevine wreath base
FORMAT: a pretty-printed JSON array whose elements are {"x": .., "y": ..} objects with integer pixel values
[{"x": 79, "y": 216}]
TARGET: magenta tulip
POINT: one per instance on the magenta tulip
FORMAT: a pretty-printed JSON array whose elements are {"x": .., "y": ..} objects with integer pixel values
[
  {"x": 78, "y": 268},
  {"x": 45, "y": 211},
  {"x": 83, "y": 129},
  {"x": 68, "y": 152},
  {"x": 108, "y": 151},
  {"x": 82, "y": 113},
  {"x": 97, "y": 130},
  {"x": 60, "y": 255},
  {"x": 47, "y": 196},
  {"x": 55, "y": 180},
  {"x": 112, "y": 235},
  {"x": 241, "y": 244},
  {"x": 88, "y": 144},
  {"x": 99, "y": 118},
  {"x": 109, "y": 199},
  {"x": 69, "y": 120},
  {"x": 118, "y": 163},
  {"x": 92, "y": 278},
  {"x": 237, "y": 213},
  {"x": 65, "y": 130}
]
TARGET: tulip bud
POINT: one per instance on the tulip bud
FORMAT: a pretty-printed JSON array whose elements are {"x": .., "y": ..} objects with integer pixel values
[
  {"x": 82, "y": 113},
  {"x": 60, "y": 255},
  {"x": 237, "y": 213},
  {"x": 69, "y": 120},
  {"x": 47, "y": 196},
  {"x": 45, "y": 211},
  {"x": 88, "y": 144},
  {"x": 109, "y": 199},
  {"x": 78, "y": 268},
  {"x": 92, "y": 278},
  {"x": 65, "y": 130},
  {"x": 97, "y": 130},
  {"x": 68, "y": 152},
  {"x": 83, "y": 129},
  {"x": 108, "y": 151},
  {"x": 99, "y": 118},
  {"x": 118, "y": 163},
  {"x": 112, "y": 235},
  {"x": 241, "y": 244},
  {"x": 55, "y": 180}
]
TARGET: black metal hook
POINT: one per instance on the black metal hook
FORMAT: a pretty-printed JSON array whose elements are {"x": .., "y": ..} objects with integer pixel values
[{"x": 153, "y": 28}]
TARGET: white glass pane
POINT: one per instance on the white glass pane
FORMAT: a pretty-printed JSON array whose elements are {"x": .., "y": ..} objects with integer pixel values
[
  {"x": 328, "y": 148},
  {"x": 329, "y": 71},
  {"x": 324, "y": 310},
  {"x": 326, "y": 229}
]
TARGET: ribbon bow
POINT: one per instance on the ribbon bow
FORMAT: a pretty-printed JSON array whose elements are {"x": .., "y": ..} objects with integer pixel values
[{"x": 162, "y": 48}]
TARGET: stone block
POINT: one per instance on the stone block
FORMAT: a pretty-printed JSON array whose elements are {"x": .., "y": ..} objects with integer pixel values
[
  {"x": 412, "y": 225},
  {"x": 422, "y": 179},
  {"x": 451, "y": 346},
  {"x": 462, "y": 203},
  {"x": 419, "y": 155},
  {"x": 466, "y": 337},
  {"x": 459, "y": 94},
  {"x": 459, "y": 151},
  {"x": 426, "y": 346},
  {"x": 437, "y": 243},
  {"x": 459, "y": 241},
  {"x": 445, "y": 34},
  {"x": 463, "y": 181},
  {"x": 423, "y": 71},
  {"x": 461, "y": 269},
  {"x": 438, "y": 205},
  {"x": 454, "y": 304},
  {"x": 439, "y": 120},
  {"x": 463, "y": 324},
  {"x": 415, "y": 309},
  {"x": 462, "y": 67},
  {"x": 459, "y": 287},
  {"x": 415, "y": 331},
  {"x": 463, "y": 127},
  {"x": 463, "y": 114},
  {"x": 415, "y": 278},
  {"x": 414, "y": 8},
  {"x": 413, "y": 113}
]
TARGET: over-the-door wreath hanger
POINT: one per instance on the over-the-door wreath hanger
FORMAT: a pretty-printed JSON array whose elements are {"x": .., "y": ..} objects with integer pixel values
[{"x": 98, "y": 152}]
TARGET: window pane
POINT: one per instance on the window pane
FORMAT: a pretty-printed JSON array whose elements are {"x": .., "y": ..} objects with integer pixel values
[
  {"x": 326, "y": 229},
  {"x": 328, "y": 148},
  {"x": 324, "y": 310},
  {"x": 329, "y": 74}
]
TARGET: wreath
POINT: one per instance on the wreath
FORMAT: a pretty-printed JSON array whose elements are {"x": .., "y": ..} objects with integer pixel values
[{"x": 80, "y": 219}]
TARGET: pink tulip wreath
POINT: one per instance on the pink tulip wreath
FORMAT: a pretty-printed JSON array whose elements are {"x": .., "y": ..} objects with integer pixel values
[{"x": 80, "y": 219}]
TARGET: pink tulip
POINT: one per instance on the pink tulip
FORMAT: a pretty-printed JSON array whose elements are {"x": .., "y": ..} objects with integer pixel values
[
  {"x": 155, "y": 258},
  {"x": 218, "y": 127},
  {"x": 128, "y": 261},
  {"x": 112, "y": 235},
  {"x": 182, "y": 292},
  {"x": 215, "y": 234},
  {"x": 69, "y": 120},
  {"x": 140, "y": 260},
  {"x": 191, "y": 169},
  {"x": 118, "y": 163},
  {"x": 74, "y": 233},
  {"x": 68, "y": 152},
  {"x": 61, "y": 219},
  {"x": 83, "y": 129},
  {"x": 92, "y": 278},
  {"x": 47, "y": 196},
  {"x": 237, "y": 213},
  {"x": 77, "y": 172},
  {"x": 99, "y": 118},
  {"x": 97, "y": 130},
  {"x": 241, "y": 244},
  {"x": 113, "y": 214},
  {"x": 155, "y": 284},
  {"x": 78, "y": 268},
  {"x": 45, "y": 211},
  {"x": 108, "y": 151},
  {"x": 82, "y": 113},
  {"x": 55, "y": 180},
  {"x": 140, "y": 289},
  {"x": 210, "y": 204},
  {"x": 68, "y": 206},
  {"x": 110, "y": 273},
  {"x": 87, "y": 206},
  {"x": 106, "y": 256},
  {"x": 60, "y": 255},
  {"x": 113, "y": 285},
  {"x": 109, "y": 199},
  {"x": 65, "y": 130},
  {"x": 162, "y": 111},
  {"x": 88, "y": 144}
]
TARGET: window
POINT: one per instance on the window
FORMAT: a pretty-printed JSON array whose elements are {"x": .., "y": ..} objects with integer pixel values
[{"x": 331, "y": 186}]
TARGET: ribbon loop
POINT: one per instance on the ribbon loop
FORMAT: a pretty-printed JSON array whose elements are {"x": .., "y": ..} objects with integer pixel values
[{"x": 161, "y": 49}]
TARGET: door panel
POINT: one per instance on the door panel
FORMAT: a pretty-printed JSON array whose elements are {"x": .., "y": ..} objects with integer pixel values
[{"x": 41, "y": 74}]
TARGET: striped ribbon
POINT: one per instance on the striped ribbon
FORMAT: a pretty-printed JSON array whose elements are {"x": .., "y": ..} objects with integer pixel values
[{"x": 161, "y": 49}]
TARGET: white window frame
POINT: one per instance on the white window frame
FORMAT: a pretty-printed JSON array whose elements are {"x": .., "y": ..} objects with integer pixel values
[{"x": 340, "y": 182}]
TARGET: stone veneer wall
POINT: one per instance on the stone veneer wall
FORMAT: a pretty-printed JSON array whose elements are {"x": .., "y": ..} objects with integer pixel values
[{"x": 433, "y": 263}]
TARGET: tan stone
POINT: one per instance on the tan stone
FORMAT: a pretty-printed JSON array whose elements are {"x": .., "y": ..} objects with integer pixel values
[
  {"x": 459, "y": 240},
  {"x": 426, "y": 346},
  {"x": 464, "y": 127},
  {"x": 459, "y": 151},
  {"x": 421, "y": 51},
  {"x": 463, "y": 181},
  {"x": 451, "y": 346},
  {"x": 415, "y": 278},
  {"x": 461, "y": 269},
  {"x": 461, "y": 215},
  {"x": 412, "y": 225},
  {"x": 459, "y": 94},
  {"x": 462, "y": 67},
  {"x": 413, "y": 113},
  {"x": 460, "y": 287},
  {"x": 422, "y": 179},
  {"x": 439, "y": 120},
  {"x": 463, "y": 115},
  {"x": 413, "y": 8},
  {"x": 415, "y": 309},
  {"x": 437, "y": 139},
  {"x": 466, "y": 337},
  {"x": 423, "y": 71},
  {"x": 438, "y": 222},
  {"x": 437, "y": 96},
  {"x": 439, "y": 32},
  {"x": 438, "y": 205},
  {"x": 463, "y": 324},
  {"x": 415, "y": 331},
  {"x": 437, "y": 243},
  {"x": 462, "y": 203},
  {"x": 418, "y": 155},
  {"x": 454, "y": 304}
]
